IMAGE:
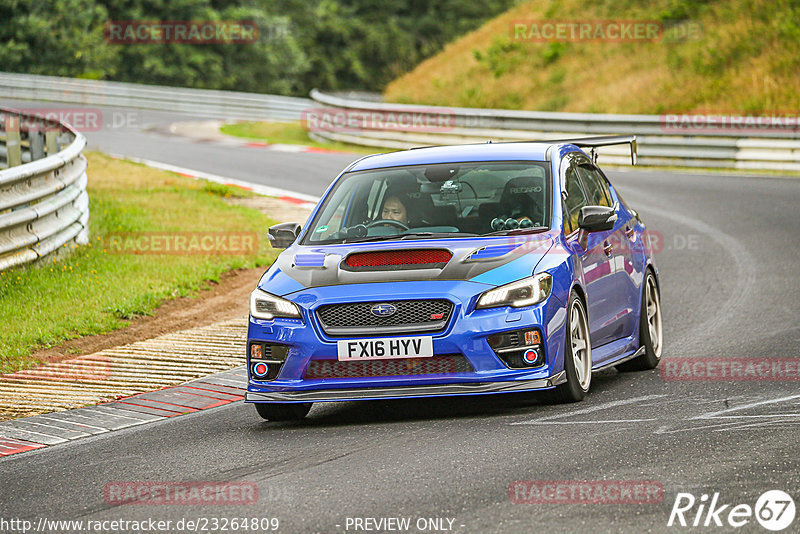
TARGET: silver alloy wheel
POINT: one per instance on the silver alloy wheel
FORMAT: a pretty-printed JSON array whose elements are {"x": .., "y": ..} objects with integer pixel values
[
  {"x": 581, "y": 345},
  {"x": 653, "y": 306}
]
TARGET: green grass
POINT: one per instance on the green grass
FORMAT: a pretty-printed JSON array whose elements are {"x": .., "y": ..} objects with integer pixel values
[
  {"x": 726, "y": 56},
  {"x": 225, "y": 191},
  {"x": 290, "y": 133},
  {"x": 92, "y": 290}
]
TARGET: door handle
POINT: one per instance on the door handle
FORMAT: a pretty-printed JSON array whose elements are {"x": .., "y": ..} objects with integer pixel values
[
  {"x": 607, "y": 248},
  {"x": 629, "y": 232}
]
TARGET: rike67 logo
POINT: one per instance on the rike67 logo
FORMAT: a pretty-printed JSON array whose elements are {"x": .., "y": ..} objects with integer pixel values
[{"x": 774, "y": 510}]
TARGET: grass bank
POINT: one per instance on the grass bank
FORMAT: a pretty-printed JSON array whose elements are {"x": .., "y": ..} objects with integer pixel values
[
  {"x": 728, "y": 56},
  {"x": 96, "y": 287}
]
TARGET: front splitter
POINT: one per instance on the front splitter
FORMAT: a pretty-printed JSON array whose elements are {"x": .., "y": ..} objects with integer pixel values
[{"x": 443, "y": 390}]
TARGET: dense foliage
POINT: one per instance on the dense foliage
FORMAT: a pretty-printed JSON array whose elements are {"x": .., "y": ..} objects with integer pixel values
[{"x": 329, "y": 44}]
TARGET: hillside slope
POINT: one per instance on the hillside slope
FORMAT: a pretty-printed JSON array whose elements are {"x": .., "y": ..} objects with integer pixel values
[{"x": 742, "y": 58}]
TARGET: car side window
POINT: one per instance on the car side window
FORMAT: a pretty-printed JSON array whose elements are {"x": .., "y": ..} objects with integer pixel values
[
  {"x": 565, "y": 217},
  {"x": 576, "y": 199},
  {"x": 597, "y": 191}
]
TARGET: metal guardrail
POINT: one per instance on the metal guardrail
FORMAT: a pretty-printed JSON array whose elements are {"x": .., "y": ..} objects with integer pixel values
[
  {"x": 752, "y": 149},
  {"x": 770, "y": 149},
  {"x": 200, "y": 102},
  {"x": 43, "y": 199}
]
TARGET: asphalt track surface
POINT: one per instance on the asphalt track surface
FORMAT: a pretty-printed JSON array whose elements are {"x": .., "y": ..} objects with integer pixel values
[{"x": 729, "y": 276}]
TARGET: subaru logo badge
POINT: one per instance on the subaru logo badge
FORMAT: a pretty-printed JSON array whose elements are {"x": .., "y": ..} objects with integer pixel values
[{"x": 383, "y": 310}]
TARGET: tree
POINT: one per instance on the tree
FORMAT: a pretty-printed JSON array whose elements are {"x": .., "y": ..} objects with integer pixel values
[{"x": 63, "y": 38}]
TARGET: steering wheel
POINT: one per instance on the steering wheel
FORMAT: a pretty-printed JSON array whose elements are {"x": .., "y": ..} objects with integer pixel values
[{"x": 383, "y": 222}]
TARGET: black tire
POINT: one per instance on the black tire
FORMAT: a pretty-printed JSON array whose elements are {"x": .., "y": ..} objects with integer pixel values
[
  {"x": 572, "y": 390},
  {"x": 652, "y": 347},
  {"x": 283, "y": 412}
]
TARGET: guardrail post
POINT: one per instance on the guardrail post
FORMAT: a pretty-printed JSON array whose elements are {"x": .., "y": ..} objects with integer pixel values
[
  {"x": 35, "y": 221},
  {"x": 13, "y": 146},
  {"x": 51, "y": 142},
  {"x": 36, "y": 139}
]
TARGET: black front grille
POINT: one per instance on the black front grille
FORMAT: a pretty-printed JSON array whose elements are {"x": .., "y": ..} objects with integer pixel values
[
  {"x": 357, "y": 318},
  {"x": 443, "y": 364}
]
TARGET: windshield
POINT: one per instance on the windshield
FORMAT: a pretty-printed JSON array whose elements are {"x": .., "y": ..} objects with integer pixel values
[{"x": 439, "y": 200}]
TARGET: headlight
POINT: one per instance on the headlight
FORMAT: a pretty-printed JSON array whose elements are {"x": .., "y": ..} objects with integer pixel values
[
  {"x": 525, "y": 292},
  {"x": 266, "y": 306}
]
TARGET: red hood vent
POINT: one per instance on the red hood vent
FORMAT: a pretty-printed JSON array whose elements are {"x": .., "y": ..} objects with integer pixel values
[{"x": 392, "y": 259}]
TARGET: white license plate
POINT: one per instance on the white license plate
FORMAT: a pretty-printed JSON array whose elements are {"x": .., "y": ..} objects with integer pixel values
[{"x": 385, "y": 348}]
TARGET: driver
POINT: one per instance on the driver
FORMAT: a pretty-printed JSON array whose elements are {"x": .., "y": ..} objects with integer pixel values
[{"x": 395, "y": 210}]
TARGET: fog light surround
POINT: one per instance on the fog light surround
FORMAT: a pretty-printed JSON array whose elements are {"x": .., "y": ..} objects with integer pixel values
[
  {"x": 266, "y": 359},
  {"x": 518, "y": 349}
]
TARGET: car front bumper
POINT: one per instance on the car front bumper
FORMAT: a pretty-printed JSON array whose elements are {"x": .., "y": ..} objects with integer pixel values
[{"x": 465, "y": 335}]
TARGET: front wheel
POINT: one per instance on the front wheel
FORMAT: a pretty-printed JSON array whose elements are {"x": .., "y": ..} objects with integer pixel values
[
  {"x": 651, "y": 336},
  {"x": 283, "y": 412},
  {"x": 577, "y": 355}
]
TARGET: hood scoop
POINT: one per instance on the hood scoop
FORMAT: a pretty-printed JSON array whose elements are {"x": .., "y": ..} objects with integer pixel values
[
  {"x": 492, "y": 252},
  {"x": 392, "y": 260},
  {"x": 309, "y": 261}
]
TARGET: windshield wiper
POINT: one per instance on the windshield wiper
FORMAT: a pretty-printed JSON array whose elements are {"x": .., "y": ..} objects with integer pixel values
[
  {"x": 518, "y": 231},
  {"x": 368, "y": 239},
  {"x": 434, "y": 235},
  {"x": 423, "y": 235}
]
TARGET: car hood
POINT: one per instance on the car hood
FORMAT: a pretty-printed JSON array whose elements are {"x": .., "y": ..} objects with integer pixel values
[{"x": 488, "y": 260}]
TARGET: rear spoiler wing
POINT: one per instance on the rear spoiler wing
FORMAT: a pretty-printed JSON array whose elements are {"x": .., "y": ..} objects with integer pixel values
[{"x": 607, "y": 140}]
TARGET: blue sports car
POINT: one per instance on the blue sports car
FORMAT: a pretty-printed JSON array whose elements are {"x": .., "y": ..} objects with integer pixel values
[{"x": 456, "y": 270}]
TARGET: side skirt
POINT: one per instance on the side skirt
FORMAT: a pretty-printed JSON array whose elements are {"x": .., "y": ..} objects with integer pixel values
[{"x": 618, "y": 361}]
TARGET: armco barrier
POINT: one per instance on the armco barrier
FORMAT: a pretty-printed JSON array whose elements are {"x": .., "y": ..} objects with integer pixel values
[
  {"x": 768, "y": 149},
  {"x": 43, "y": 200},
  {"x": 200, "y": 102}
]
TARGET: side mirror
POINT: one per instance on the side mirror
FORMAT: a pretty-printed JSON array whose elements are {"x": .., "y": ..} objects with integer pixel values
[
  {"x": 283, "y": 235},
  {"x": 597, "y": 218}
]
